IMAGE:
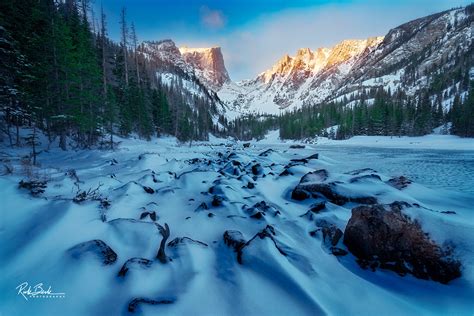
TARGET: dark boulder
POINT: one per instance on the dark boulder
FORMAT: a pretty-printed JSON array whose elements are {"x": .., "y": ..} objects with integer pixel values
[
  {"x": 236, "y": 163},
  {"x": 296, "y": 161},
  {"x": 148, "y": 190},
  {"x": 448, "y": 212},
  {"x": 286, "y": 173},
  {"x": 258, "y": 215},
  {"x": 371, "y": 176},
  {"x": 297, "y": 146},
  {"x": 152, "y": 215},
  {"x": 313, "y": 156},
  {"x": 338, "y": 252},
  {"x": 318, "y": 176},
  {"x": 257, "y": 169},
  {"x": 322, "y": 189},
  {"x": 313, "y": 184},
  {"x": 318, "y": 207},
  {"x": 399, "y": 182},
  {"x": 202, "y": 206},
  {"x": 260, "y": 209},
  {"x": 217, "y": 200},
  {"x": 299, "y": 195},
  {"x": 331, "y": 233},
  {"x": 233, "y": 168},
  {"x": 308, "y": 215},
  {"x": 234, "y": 239},
  {"x": 383, "y": 236}
]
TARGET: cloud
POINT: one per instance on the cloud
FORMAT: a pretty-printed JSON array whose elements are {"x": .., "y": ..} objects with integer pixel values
[{"x": 212, "y": 19}]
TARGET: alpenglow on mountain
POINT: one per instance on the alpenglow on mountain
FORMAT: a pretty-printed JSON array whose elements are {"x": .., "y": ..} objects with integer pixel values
[
  {"x": 208, "y": 64},
  {"x": 409, "y": 57}
]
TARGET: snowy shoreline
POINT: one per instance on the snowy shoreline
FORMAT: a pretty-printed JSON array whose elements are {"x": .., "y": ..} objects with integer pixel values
[{"x": 433, "y": 141}]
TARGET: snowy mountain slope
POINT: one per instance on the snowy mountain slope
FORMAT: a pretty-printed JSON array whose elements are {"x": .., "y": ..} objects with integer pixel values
[
  {"x": 104, "y": 256},
  {"x": 412, "y": 52},
  {"x": 409, "y": 58}
]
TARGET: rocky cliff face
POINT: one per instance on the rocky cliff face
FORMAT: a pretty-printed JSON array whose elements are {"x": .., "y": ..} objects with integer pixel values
[
  {"x": 187, "y": 87},
  {"x": 408, "y": 58},
  {"x": 208, "y": 64}
]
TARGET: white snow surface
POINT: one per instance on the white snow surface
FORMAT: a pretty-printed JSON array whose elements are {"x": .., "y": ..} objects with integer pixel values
[
  {"x": 37, "y": 233},
  {"x": 433, "y": 141}
]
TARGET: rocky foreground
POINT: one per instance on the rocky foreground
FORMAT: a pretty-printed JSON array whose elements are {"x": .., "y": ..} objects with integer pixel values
[{"x": 230, "y": 229}]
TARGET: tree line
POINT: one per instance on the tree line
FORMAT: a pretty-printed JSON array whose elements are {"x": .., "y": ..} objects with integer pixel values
[
  {"x": 384, "y": 114},
  {"x": 60, "y": 73}
]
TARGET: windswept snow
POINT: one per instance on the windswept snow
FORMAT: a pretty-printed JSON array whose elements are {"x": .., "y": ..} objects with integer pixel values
[{"x": 201, "y": 192}]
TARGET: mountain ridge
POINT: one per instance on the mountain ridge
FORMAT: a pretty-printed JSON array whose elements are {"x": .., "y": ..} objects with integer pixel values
[
  {"x": 404, "y": 59},
  {"x": 394, "y": 61}
]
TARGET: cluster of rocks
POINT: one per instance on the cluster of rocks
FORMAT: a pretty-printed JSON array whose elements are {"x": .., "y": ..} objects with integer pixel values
[{"x": 379, "y": 236}]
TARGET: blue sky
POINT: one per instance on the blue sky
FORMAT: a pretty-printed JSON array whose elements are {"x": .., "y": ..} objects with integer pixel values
[{"x": 254, "y": 34}]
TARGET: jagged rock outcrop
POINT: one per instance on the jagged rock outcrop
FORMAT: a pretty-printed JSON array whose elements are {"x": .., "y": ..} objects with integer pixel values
[{"x": 208, "y": 64}]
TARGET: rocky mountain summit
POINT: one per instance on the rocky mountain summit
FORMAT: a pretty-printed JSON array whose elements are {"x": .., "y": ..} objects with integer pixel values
[
  {"x": 208, "y": 64},
  {"x": 409, "y": 57}
]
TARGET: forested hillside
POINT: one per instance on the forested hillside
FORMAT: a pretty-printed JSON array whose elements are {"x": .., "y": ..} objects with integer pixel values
[
  {"x": 382, "y": 113},
  {"x": 60, "y": 73}
]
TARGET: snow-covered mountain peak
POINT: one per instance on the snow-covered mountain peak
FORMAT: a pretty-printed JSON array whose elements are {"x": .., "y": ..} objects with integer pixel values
[
  {"x": 407, "y": 58},
  {"x": 313, "y": 62},
  {"x": 290, "y": 80},
  {"x": 348, "y": 49}
]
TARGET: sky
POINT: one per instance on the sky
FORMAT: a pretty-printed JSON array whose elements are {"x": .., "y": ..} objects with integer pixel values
[{"x": 255, "y": 34}]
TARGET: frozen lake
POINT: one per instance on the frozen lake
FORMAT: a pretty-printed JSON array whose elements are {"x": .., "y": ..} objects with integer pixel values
[
  {"x": 203, "y": 193},
  {"x": 451, "y": 170}
]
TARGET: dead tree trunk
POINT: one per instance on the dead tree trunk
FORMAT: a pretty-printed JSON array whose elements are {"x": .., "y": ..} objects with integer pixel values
[{"x": 165, "y": 232}]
